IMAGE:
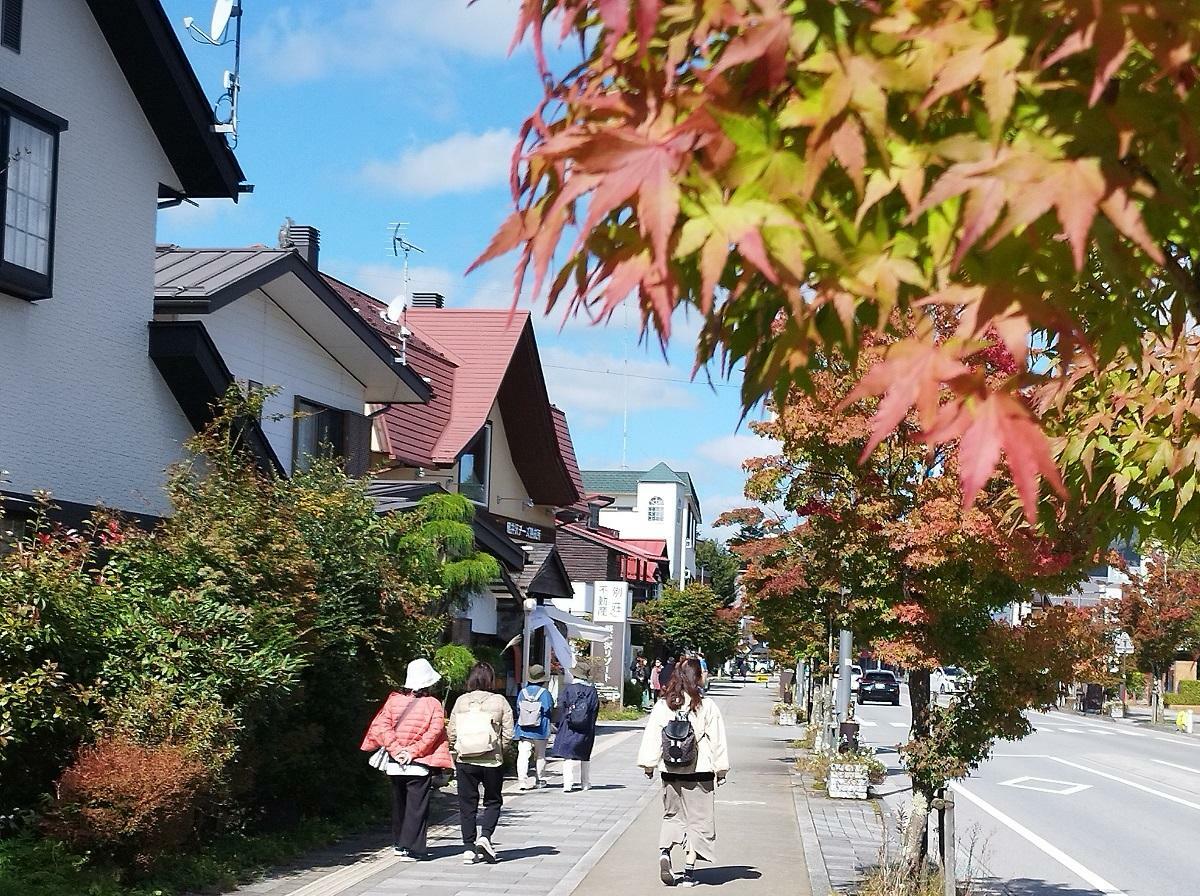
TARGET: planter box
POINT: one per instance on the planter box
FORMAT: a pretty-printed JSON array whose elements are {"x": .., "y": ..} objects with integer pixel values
[
  {"x": 847, "y": 782},
  {"x": 1117, "y": 712},
  {"x": 785, "y": 718}
]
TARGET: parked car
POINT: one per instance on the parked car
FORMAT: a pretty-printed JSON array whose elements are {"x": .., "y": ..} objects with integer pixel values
[
  {"x": 879, "y": 685},
  {"x": 946, "y": 680},
  {"x": 855, "y": 677}
]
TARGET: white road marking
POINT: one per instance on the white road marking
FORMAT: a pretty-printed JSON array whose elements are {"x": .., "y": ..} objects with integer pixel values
[
  {"x": 900, "y": 724},
  {"x": 1085, "y": 874},
  {"x": 867, "y": 724},
  {"x": 1115, "y": 728},
  {"x": 1072, "y": 730},
  {"x": 1175, "y": 740},
  {"x": 1064, "y": 788},
  {"x": 1134, "y": 784},
  {"x": 1186, "y": 768}
]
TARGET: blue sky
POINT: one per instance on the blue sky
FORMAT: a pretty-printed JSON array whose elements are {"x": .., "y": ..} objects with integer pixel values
[{"x": 354, "y": 116}]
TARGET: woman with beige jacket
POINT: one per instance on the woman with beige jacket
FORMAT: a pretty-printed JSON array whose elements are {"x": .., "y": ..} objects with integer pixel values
[
  {"x": 689, "y": 788},
  {"x": 479, "y": 729}
]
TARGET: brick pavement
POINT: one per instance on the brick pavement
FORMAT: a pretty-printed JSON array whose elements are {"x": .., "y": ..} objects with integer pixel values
[{"x": 544, "y": 838}]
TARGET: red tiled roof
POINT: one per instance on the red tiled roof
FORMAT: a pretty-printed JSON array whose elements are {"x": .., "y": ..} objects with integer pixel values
[
  {"x": 414, "y": 437},
  {"x": 475, "y": 358},
  {"x": 489, "y": 338},
  {"x": 637, "y": 564},
  {"x": 567, "y": 448},
  {"x": 655, "y": 547}
]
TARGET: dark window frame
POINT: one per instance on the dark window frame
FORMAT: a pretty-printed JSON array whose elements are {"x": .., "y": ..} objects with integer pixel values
[
  {"x": 484, "y": 436},
  {"x": 337, "y": 449},
  {"x": 16, "y": 280},
  {"x": 13, "y": 8}
]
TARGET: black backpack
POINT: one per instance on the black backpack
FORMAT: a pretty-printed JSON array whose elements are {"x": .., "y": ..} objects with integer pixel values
[
  {"x": 578, "y": 717},
  {"x": 679, "y": 742}
]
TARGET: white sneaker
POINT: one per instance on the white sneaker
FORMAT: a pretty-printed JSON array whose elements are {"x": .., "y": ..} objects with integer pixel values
[
  {"x": 404, "y": 855},
  {"x": 485, "y": 850},
  {"x": 469, "y": 857},
  {"x": 664, "y": 869}
]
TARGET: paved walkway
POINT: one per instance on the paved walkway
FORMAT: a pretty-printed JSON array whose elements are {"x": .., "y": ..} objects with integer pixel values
[{"x": 602, "y": 842}]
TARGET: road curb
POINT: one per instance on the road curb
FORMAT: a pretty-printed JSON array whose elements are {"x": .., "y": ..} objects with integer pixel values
[{"x": 814, "y": 858}]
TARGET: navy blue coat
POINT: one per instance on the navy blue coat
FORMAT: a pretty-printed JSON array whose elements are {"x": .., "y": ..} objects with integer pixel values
[{"x": 569, "y": 743}]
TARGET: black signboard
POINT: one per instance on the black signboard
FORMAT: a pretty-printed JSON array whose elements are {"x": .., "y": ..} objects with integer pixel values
[{"x": 521, "y": 530}]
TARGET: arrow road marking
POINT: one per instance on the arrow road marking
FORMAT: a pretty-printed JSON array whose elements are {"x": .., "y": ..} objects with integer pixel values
[{"x": 1085, "y": 874}]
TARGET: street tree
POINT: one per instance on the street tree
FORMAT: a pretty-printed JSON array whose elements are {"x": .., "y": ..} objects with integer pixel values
[
  {"x": 885, "y": 548},
  {"x": 800, "y": 171},
  {"x": 1159, "y": 609},
  {"x": 718, "y": 567},
  {"x": 691, "y": 618}
]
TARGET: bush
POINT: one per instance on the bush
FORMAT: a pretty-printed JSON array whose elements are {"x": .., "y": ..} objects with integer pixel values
[
  {"x": 1189, "y": 692},
  {"x": 454, "y": 662},
  {"x": 132, "y": 802},
  {"x": 613, "y": 712},
  {"x": 633, "y": 693},
  {"x": 1135, "y": 683}
]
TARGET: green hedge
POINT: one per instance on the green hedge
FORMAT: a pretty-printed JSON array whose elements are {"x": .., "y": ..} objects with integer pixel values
[{"x": 1187, "y": 694}]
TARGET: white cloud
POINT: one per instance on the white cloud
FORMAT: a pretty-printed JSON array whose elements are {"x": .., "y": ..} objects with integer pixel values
[
  {"x": 203, "y": 213},
  {"x": 461, "y": 163},
  {"x": 300, "y": 44},
  {"x": 733, "y": 450}
]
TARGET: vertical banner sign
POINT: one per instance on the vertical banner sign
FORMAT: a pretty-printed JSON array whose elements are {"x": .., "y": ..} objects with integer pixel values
[{"x": 612, "y": 607}]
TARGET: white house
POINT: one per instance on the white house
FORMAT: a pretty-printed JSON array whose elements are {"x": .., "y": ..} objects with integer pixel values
[
  {"x": 267, "y": 319},
  {"x": 657, "y": 505},
  {"x": 101, "y": 118}
]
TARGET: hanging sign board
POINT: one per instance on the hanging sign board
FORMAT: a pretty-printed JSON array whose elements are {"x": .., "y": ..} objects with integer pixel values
[{"x": 611, "y": 602}]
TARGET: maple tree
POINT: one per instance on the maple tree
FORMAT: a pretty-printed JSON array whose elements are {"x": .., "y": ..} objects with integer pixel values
[
  {"x": 887, "y": 549},
  {"x": 1159, "y": 609},
  {"x": 802, "y": 170}
]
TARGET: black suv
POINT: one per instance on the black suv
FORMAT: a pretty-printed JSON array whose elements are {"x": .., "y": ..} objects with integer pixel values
[{"x": 880, "y": 685}]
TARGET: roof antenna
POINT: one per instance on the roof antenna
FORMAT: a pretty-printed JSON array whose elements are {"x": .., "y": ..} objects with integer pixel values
[
  {"x": 218, "y": 36},
  {"x": 397, "y": 311}
]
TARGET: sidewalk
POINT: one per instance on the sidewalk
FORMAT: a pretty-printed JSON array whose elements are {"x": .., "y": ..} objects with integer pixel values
[
  {"x": 602, "y": 842},
  {"x": 758, "y": 836}
]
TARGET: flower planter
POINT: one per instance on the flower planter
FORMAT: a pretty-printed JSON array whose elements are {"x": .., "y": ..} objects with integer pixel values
[
  {"x": 847, "y": 781},
  {"x": 785, "y": 718},
  {"x": 1117, "y": 711}
]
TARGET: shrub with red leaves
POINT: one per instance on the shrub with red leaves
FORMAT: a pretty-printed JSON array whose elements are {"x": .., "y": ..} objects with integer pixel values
[{"x": 134, "y": 803}]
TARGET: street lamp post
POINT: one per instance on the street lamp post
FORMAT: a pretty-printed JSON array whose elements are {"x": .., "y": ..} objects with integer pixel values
[{"x": 530, "y": 605}]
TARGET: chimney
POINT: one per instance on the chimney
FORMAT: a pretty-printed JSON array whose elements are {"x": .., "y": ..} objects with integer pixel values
[
  {"x": 305, "y": 240},
  {"x": 428, "y": 300}
]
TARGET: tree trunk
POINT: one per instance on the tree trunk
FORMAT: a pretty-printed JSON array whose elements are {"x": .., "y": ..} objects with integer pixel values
[{"x": 916, "y": 840}]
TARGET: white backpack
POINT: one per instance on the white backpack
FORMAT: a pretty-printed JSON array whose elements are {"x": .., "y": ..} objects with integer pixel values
[
  {"x": 529, "y": 708},
  {"x": 475, "y": 732}
]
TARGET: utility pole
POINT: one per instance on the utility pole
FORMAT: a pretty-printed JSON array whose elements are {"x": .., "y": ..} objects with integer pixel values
[{"x": 845, "y": 643}]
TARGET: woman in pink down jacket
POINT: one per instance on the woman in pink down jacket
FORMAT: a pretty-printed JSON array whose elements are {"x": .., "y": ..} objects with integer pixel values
[{"x": 411, "y": 726}]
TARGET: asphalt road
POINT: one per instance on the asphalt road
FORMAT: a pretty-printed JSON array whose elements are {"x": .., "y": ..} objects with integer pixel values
[{"x": 1080, "y": 807}]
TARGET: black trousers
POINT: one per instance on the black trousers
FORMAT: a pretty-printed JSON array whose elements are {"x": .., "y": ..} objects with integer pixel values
[
  {"x": 410, "y": 811},
  {"x": 470, "y": 779}
]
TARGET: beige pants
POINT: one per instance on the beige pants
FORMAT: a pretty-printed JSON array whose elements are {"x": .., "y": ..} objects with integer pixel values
[
  {"x": 527, "y": 749},
  {"x": 573, "y": 769},
  {"x": 690, "y": 818}
]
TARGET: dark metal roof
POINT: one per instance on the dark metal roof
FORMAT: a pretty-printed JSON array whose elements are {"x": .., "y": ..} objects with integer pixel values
[
  {"x": 150, "y": 56},
  {"x": 200, "y": 281},
  {"x": 544, "y": 572}
]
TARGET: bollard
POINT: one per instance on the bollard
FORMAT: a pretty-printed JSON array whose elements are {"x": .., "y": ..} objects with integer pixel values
[
  {"x": 949, "y": 869},
  {"x": 1188, "y": 720}
]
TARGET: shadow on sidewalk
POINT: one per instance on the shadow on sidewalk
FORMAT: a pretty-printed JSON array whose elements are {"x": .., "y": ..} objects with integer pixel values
[
  {"x": 726, "y": 873},
  {"x": 1024, "y": 886}
]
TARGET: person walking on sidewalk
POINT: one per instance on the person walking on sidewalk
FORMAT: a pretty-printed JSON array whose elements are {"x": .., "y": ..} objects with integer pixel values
[
  {"x": 480, "y": 727},
  {"x": 685, "y": 741},
  {"x": 411, "y": 727},
  {"x": 579, "y": 707},
  {"x": 534, "y": 706},
  {"x": 655, "y": 681}
]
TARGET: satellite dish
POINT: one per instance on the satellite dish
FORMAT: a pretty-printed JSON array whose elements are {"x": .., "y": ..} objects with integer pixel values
[
  {"x": 222, "y": 10},
  {"x": 395, "y": 310}
]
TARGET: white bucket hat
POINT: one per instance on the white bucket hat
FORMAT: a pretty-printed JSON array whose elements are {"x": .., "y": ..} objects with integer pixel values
[{"x": 421, "y": 675}]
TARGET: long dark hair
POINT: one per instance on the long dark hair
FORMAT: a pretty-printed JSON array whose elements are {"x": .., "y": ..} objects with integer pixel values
[
  {"x": 482, "y": 678},
  {"x": 684, "y": 680}
]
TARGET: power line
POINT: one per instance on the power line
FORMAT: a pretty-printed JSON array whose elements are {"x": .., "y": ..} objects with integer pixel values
[{"x": 644, "y": 376}]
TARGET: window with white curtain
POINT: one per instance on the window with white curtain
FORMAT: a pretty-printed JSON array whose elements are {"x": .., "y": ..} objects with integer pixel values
[
  {"x": 654, "y": 512},
  {"x": 27, "y": 176}
]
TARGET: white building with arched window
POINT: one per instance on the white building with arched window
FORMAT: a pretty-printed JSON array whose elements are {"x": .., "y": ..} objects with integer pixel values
[{"x": 657, "y": 505}]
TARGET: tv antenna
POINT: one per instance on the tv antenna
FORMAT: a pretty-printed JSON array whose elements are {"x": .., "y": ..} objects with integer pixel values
[
  {"x": 225, "y": 110},
  {"x": 397, "y": 311}
]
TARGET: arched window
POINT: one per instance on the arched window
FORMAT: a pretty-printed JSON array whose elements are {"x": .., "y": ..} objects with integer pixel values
[{"x": 655, "y": 511}]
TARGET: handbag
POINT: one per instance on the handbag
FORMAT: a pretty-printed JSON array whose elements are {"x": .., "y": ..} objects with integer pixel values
[{"x": 381, "y": 758}]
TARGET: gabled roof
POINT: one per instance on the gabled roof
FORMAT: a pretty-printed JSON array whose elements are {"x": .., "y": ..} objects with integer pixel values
[
  {"x": 567, "y": 448},
  {"x": 625, "y": 482},
  {"x": 655, "y": 547},
  {"x": 477, "y": 358},
  {"x": 636, "y": 565},
  {"x": 201, "y": 281},
  {"x": 157, "y": 70},
  {"x": 544, "y": 572}
]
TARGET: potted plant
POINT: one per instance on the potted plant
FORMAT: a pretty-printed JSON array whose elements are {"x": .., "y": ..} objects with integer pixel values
[
  {"x": 1114, "y": 709},
  {"x": 786, "y": 713},
  {"x": 852, "y": 773}
]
